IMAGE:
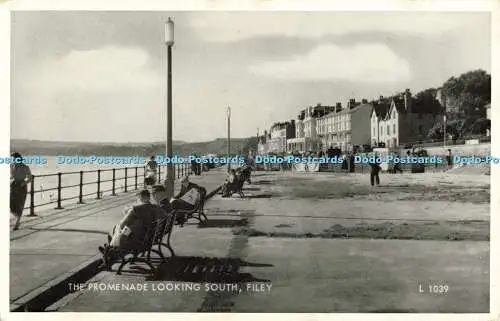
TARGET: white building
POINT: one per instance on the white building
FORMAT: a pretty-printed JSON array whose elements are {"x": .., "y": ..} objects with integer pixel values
[
  {"x": 306, "y": 138},
  {"x": 334, "y": 128},
  {"x": 396, "y": 121}
]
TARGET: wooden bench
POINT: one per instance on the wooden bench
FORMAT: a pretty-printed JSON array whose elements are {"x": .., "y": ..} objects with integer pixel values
[
  {"x": 156, "y": 238},
  {"x": 198, "y": 212}
]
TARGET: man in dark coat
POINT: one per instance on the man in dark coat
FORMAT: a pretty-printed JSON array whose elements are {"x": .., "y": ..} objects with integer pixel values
[{"x": 375, "y": 170}]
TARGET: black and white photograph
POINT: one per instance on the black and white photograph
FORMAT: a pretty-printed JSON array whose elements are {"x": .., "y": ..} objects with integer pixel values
[{"x": 250, "y": 161}]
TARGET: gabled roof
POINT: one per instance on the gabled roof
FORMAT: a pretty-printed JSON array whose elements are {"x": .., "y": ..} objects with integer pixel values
[
  {"x": 399, "y": 104},
  {"x": 381, "y": 108}
]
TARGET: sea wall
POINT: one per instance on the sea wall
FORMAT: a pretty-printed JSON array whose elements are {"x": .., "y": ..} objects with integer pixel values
[{"x": 463, "y": 150}]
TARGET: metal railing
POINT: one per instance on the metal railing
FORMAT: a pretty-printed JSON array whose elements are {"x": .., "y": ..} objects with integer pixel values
[
  {"x": 448, "y": 142},
  {"x": 358, "y": 167},
  {"x": 130, "y": 179}
]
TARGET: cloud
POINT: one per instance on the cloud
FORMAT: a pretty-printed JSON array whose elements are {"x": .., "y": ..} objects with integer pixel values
[
  {"x": 235, "y": 26},
  {"x": 100, "y": 70},
  {"x": 367, "y": 63}
]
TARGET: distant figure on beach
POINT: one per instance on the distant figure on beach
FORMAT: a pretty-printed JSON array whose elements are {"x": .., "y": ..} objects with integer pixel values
[
  {"x": 151, "y": 169},
  {"x": 449, "y": 159},
  {"x": 352, "y": 165},
  {"x": 397, "y": 166},
  {"x": 344, "y": 162},
  {"x": 375, "y": 170},
  {"x": 20, "y": 176}
]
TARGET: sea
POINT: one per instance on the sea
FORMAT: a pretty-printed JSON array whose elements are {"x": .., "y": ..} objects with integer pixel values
[{"x": 46, "y": 181}]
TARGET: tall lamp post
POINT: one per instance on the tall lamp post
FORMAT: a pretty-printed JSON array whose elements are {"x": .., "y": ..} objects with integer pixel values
[
  {"x": 228, "y": 111},
  {"x": 169, "y": 42},
  {"x": 444, "y": 130}
]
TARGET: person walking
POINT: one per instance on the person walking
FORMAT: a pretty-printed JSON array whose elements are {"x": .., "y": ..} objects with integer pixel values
[
  {"x": 449, "y": 159},
  {"x": 151, "y": 172},
  {"x": 20, "y": 176},
  {"x": 375, "y": 170},
  {"x": 352, "y": 165},
  {"x": 397, "y": 165}
]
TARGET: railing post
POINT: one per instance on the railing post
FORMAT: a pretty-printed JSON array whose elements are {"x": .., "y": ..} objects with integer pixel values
[
  {"x": 59, "y": 191},
  {"x": 32, "y": 196},
  {"x": 98, "y": 184},
  {"x": 126, "y": 174},
  {"x": 136, "y": 178},
  {"x": 174, "y": 169},
  {"x": 182, "y": 170},
  {"x": 159, "y": 174},
  {"x": 113, "y": 191},
  {"x": 80, "y": 193}
]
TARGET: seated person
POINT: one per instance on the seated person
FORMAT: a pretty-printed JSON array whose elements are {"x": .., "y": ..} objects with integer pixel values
[
  {"x": 245, "y": 173},
  {"x": 161, "y": 198},
  {"x": 185, "y": 201},
  {"x": 129, "y": 234},
  {"x": 230, "y": 183}
]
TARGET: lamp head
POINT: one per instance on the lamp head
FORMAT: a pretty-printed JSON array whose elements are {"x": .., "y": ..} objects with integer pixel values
[{"x": 169, "y": 32}]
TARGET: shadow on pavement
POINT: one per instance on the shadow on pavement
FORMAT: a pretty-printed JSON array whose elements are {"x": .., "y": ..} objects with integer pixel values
[
  {"x": 211, "y": 223},
  {"x": 252, "y": 189},
  {"x": 67, "y": 230},
  {"x": 206, "y": 269},
  {"x": 262, "y": 182},
  {"x": 259, "y": 196}
]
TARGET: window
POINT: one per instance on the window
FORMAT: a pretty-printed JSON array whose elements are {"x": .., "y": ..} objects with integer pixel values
[
  {"x": 394, "y": 129},
  {"x": 381, "y": 130},
  {"x": 388, "y": 129},
  {"x": 394, "y": 114},
  {"x": 374, "y": 132}
]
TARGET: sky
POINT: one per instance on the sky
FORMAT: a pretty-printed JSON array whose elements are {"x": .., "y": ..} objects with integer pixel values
[{"x": 100, "y": 76}]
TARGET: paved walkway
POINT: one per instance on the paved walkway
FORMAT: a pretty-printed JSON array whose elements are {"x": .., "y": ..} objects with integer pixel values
[
  {"x": 50, "y": 245},
  {"x": 300, "y": 274}
]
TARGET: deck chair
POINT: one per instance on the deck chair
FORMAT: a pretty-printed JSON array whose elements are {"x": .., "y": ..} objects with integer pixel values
[{"x": 236, "y": 187}]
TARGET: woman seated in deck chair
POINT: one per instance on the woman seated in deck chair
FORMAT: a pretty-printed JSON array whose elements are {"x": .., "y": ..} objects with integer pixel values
[
  {"x": 245, "y": 172},
  {"x": 233, "y": 184},
  {"x": 130, "y": 233},
  {"x": 228, "y": 185}
]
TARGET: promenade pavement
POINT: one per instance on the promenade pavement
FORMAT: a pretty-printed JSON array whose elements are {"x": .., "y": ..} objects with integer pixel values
[
  {"x": 51, "y": 245},
  {"x": 317, "y": 242}
]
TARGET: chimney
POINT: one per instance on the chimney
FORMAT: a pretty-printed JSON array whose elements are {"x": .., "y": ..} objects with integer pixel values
[
  {"x": 408, "y": 100},
  {"x": 338, "y": 107},
  {"x": 364, "y": 101},
  {"x": 352, "y": 103}
]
